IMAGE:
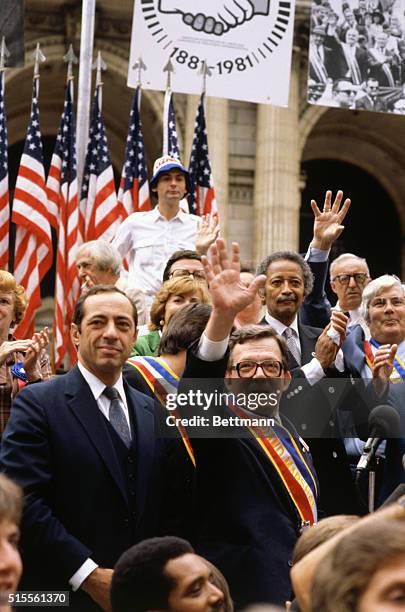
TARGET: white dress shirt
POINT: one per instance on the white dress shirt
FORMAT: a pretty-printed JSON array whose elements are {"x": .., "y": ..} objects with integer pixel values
[
  {"x": 312, "y": 370},
  {"x": 97, "y": 388},
  {"x": 147, "y": 240}
]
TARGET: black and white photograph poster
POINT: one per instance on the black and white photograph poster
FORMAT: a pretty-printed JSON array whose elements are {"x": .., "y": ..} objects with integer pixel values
[
  {"x": 246, "y": 45},
  {"x": 357, "y": 55}
]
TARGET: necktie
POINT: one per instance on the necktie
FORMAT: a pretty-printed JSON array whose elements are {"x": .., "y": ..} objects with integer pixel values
[
  {"x": 292, "y": 344},
  {"x": 116, "y": 415}
]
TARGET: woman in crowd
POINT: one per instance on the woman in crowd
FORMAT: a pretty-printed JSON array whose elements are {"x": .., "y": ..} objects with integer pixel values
[
  {"x": 10, "y": 560},
  {"x": 21, "y": 361},
  {"x": 173, "y": 294},
  {"x": 365, "y": 571}
]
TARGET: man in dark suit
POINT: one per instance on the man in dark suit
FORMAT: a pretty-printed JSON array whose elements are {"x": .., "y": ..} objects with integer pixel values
[
  {"x": 84, "y": 449},
  {"x": 381, "y": 356},
  {"x": 313, "y": 356},
  {"x": 255, "y": 485}
]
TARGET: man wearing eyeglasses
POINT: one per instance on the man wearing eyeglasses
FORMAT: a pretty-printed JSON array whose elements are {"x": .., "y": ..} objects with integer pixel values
[
  {"x": 255, "y": 485},
  {"x": 184, "y": 262},
  {"x": 349, "y": 275}
]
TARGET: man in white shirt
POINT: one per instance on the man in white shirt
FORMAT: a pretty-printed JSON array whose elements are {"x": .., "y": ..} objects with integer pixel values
[
  {"x": 86, "y": 451},
  {"x": 148, "y": 239}
]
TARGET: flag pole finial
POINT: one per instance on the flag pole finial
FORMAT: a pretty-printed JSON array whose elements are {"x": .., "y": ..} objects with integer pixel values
[
  {"x": 99, "y": 65},
  {"x": 170, "y": 70},
  {"x": 139, "y": 65},
  {"x": 4, "y": 52},
  {"x": 70, "y": 58},
  {"x": 205, "y": 72},
  {"x": 38, "y": 57}
]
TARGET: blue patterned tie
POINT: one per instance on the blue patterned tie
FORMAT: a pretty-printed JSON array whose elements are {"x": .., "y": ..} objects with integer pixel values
[{"x": 116, "y": 415}]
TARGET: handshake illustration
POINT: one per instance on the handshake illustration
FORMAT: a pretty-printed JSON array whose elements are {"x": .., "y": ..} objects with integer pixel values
[{"x": 226, "y": 15}]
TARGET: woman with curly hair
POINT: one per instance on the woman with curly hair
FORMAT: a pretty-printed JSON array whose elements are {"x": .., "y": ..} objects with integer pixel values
[
  {"x": 173, "y": 295},
  {"x": 21, "y": 361}
]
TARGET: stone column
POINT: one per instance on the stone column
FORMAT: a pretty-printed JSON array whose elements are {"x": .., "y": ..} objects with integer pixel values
[
  {"x": 277, "y": 176},
  {"x": 216, "y": 110}
]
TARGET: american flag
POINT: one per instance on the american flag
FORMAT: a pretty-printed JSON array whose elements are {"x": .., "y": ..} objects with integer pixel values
[
  {"x": 33, "y": 242},
  {"x": 201, "y": 198},
  {"x": 4, "y": 194},
  {"x": 99, "y": 214},
  {"x": 170, "y": 138},
  {"x": 133, "y": 194},
  {"x": 62, "y": 195}
]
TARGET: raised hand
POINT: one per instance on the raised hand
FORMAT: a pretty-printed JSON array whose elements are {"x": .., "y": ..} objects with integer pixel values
[
  {"x": 326, "y": 348},
  {"x": 207, "y": 232},
  {"x": 228, "y": 293},
  {"x": 38, "y": 342},
  {"x": 384, "y": 361},
  {"x": 328, "y": 223},
  {"x": 9, "y": 347}
]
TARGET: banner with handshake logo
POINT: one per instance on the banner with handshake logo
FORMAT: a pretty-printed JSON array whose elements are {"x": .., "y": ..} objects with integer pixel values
[{"x": 246, "y": 44}]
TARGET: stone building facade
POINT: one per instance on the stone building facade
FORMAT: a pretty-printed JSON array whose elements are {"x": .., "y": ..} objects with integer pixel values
[{"x": 258, "y": 152}]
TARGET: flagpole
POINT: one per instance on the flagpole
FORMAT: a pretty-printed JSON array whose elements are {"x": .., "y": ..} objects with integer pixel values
[
  {"x": 4, "y": 193},
  {"x": 99, "y": 65},
  {"x": 168, "y": 93},
  {"x": 84, "y": 86},
  {"x": 139, "y": 65}
]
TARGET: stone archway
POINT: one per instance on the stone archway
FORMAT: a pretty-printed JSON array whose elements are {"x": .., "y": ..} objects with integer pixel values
[{"x": 372, "y": 142}]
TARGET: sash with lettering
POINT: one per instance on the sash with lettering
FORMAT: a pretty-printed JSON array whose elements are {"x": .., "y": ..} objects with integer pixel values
[
  {"x": 283, "y": 452},
  {"x": 397, "y": 374},
  {"x": 162, "y": 381}
]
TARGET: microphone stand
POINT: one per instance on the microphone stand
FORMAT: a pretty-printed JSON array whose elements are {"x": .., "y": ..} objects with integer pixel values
[{"x": 371, "y": 483}]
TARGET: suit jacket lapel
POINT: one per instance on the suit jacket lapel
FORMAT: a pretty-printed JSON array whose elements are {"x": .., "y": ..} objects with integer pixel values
[
  {"x": 308, "y": 338},
  {"x": 353, "y": 349},
  {"x": 83, "y": 405},
  {"x": 145, "y": 440}
]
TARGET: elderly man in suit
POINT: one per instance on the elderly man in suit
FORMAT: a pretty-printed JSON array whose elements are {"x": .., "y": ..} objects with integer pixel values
[
  {"x": 381, "y": 356},
  {"x": 84, "y": 449}
]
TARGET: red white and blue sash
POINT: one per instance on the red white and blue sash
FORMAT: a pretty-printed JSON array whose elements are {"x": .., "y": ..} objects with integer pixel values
[
  {"x": 287, "y": 459},
  {"x": 162, "y": 381}
]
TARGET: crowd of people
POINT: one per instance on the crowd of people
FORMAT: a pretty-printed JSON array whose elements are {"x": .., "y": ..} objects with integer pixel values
[
  {"x": 357, "y": 55},
  {"x": 209, "y": 451}
]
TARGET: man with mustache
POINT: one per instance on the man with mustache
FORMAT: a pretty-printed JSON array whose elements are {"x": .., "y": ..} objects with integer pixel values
[
  {"x": 85, "y": 449},
  {"x": 312, "y": 354}
]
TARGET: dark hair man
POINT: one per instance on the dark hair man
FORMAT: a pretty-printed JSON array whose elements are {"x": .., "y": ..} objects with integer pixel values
[
  {"x": 85, "y": 451},
  {"x": 183, "y": 263},
  {"x": 245, "y": 521},
  {"x": 164, "y": 574},
  {"x": 147, "y": 239}
]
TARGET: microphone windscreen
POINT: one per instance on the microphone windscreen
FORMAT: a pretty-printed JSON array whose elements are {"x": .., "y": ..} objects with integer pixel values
[{"x": 383, "y": 422}]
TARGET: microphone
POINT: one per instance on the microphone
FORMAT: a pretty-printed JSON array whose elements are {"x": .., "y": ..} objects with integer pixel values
[
  {"x": 383, "y": 422},
  {"x": 395, "y": 495}
]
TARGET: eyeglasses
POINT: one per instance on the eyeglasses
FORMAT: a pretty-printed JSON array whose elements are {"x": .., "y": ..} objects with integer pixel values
[
  {"x": 197, "y": 274},
  {"x": 359, "y": 278},
  {"x": 247, "y": 369}
]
